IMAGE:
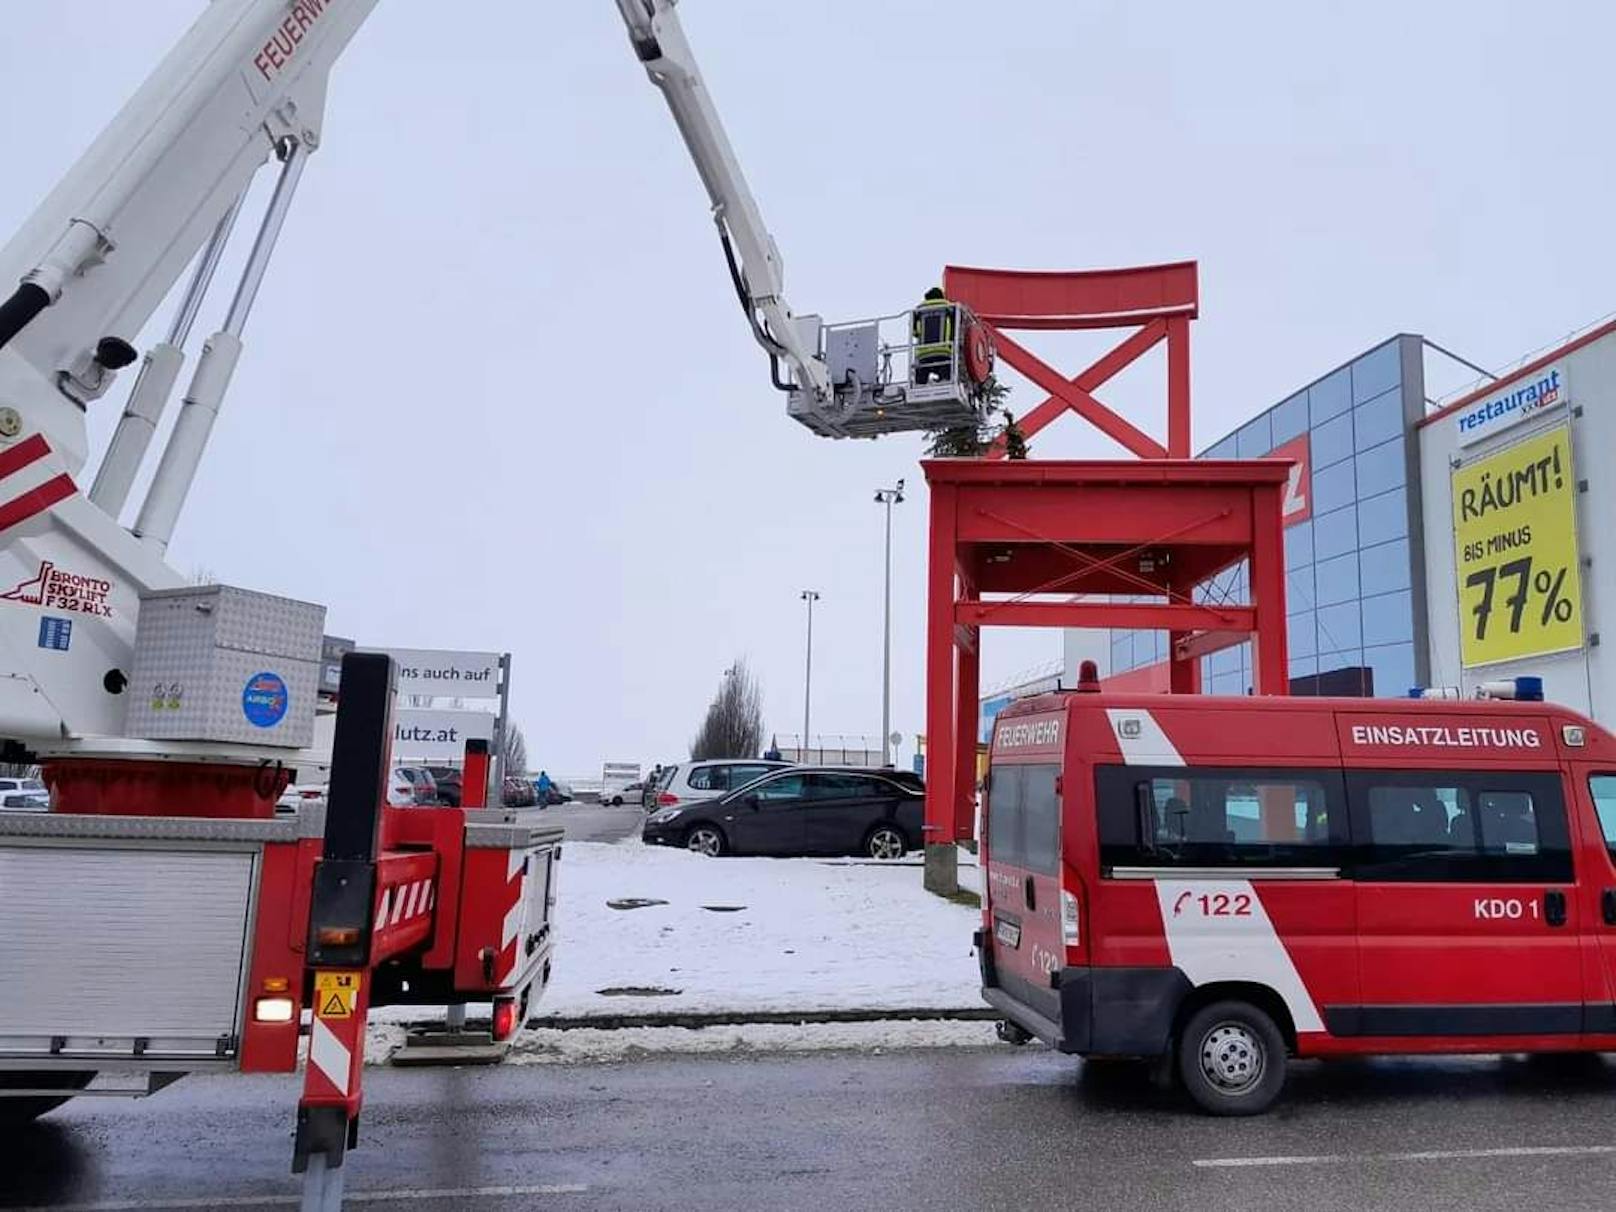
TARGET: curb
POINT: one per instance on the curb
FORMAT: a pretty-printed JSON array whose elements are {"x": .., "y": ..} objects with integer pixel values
[{"x": 696, "y": 1019}]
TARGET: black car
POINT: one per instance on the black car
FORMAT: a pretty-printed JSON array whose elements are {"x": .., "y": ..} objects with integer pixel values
[
  {"x": 448, "y": 779},
  {"x": 813, "y": 810}
]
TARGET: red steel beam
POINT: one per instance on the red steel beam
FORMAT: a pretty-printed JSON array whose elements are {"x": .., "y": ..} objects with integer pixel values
[
  {"x": 1081, "y": 402},
  {"x": 1091, "y": 380},
  {"x": 1141, "y": 616}
]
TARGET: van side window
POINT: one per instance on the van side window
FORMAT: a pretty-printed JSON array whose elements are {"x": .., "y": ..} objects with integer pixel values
[
  {"x": 1603, "y": 787},
  {"x": 1465, "y": 827},
  {"x": 1024, "y": 817},
  {"x": 1201, "y": 817}
]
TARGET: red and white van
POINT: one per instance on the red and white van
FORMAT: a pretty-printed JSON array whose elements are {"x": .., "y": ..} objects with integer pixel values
[{"x": 1230, "y": 881}]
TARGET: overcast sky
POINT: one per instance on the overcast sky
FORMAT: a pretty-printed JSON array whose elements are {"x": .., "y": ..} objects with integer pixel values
[{"x": 497, "y": 392}]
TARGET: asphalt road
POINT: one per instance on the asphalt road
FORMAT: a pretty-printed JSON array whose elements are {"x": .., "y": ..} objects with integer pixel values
[
  {"x": 594, "y": 823},
  {"x": 937, "y": 1130}
]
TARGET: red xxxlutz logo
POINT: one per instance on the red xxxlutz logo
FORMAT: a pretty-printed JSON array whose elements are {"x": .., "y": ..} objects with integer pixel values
[{"x": 55, "y": 589}]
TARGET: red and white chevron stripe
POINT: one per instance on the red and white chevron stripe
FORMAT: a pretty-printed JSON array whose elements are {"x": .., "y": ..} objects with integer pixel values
[
  {"x": 330, "y": 1055},
  {"x": 29, "y": 482},
  {"x": 404, "y": 902}
]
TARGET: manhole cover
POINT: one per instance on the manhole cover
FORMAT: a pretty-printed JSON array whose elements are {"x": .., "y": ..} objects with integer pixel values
[
  {"x": 634, "y": 902},
  {"x": 639, "y": 991}
]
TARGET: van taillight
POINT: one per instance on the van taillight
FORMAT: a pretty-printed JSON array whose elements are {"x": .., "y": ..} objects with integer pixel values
[
  {"x": 666, "y": 799},
  {"x": 504, "y": 1023},
  {"x": 1069, "y": 919}
]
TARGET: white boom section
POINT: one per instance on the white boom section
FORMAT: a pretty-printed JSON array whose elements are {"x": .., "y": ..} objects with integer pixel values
[
  {"x": 659, "y": 41},
  {"x": 105, "y": 248}
]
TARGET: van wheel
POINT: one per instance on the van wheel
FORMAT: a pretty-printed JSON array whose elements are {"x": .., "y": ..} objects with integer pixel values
[
  {"x": 707, "y": 840},
  {"x": 16, "y": 1111},
  {"x": 885, "y": 842},
  {"x": 1231, "y": 1057}
]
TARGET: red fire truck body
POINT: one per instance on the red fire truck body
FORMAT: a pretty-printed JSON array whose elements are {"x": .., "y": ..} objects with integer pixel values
[{"x": 1227, "y": 881}]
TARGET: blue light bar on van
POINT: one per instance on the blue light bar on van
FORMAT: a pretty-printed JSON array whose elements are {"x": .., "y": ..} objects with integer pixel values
[
  {"x": 1523, "y": 689},
  {"x": 1433, "y": 692}
]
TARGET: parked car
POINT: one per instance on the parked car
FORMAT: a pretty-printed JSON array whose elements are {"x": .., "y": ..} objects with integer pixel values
[
  {"x": 400, "y": 790},
  {"x": 25, "y": 801},
  {"x": 299, "y": 795},
  {"x": 27, "y": 785},
  {"x": 691, "y": 782},
  {"x": 424, "y": 785},
  {"x": 518, "y": 793},
  {"x": 632, "y": 793},
  {"x": 799, "y": 810},
  {"x": 448, "y": 782}
]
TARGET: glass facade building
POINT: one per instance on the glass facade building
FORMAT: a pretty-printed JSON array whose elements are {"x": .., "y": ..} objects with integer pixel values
[{"x": 1355, "y": 582}]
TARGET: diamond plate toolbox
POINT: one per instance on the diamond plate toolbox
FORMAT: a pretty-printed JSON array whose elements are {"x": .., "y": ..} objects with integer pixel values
[{"x": 217, "y": 663}]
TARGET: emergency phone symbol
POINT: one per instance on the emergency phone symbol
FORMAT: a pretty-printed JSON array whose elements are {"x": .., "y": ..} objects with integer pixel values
[{"x": 1178, "y": 905}]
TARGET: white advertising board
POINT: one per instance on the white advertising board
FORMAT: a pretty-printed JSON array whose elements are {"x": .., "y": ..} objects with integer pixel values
[
  {"x": 467, "y": 675},
  {"x": 438, "y": 736}
]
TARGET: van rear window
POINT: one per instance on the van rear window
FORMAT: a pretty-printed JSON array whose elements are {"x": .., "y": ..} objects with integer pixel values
[
  {"x": 1179, "y": 817},
  {"x": 1024, "y": 817}
]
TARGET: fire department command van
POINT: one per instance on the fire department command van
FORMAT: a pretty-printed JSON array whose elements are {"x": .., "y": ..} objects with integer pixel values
[{"x": 1230, "y": 881}]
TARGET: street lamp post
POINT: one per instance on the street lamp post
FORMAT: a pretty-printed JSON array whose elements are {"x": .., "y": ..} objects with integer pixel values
[
  {"x": 810, "y": 596},
  {"x": 888, "y": 497}
]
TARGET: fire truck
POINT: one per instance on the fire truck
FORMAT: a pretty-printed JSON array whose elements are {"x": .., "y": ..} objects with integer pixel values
[
  {"x": 161, "y": 918},
  {"x": 1221, "y": 883}
]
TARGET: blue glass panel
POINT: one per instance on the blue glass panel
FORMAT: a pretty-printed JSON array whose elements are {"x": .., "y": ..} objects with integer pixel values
[
  {"x": 1338, "y": 628},
  {"x": 1388, "y": 618},
  {"x": 1228, "y": 683},
  {"x": 1290, "y": 418},
  {"x": 1380, "y": 420},
  {"x": 1394, "y": 669},
  {"x": 1224, "y": 449},
  {"x": 1377, "y": 371},
  {"x": 1159, "y": 648},
  {"x": 1382, "y": 468},
  {"x": 1299, "y": 545},
  {"x": 1300, "y": 630},
  {"x": 1336, "y": 580},
  {"x": 1304, "y": 667},
  {"x": 1330, "y": 396},
  {"x": 1333, "y": 487},
  {"x": 1299, "y": 588},
  {"x": 1255, "y": 438},
  {"x": 1226, "y": 661},
  {"x": 1383, "y": 518},
  {"x": 1335, "y": 533},
  {"x": 1385, "y": 567},
  {"x": 1331, "y": 442}
]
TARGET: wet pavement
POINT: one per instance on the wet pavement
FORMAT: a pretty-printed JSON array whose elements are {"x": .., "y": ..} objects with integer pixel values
[
  {"x": 595, "y": 822},
  {"x": 935, "y": 1130}
]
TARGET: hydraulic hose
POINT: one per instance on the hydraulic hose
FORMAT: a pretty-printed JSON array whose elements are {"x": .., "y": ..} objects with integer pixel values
[
  {"x": 17, "y": 312},
  {"x": 770, "y": 345}
]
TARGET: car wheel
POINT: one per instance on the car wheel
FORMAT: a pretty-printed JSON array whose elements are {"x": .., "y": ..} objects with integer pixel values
[
  {"x": 707, "y": 840},
  {"x": 885, "y": 842},
  {"x": 1232, "y": 1059},
  {"x": 14, "y": 1111}
]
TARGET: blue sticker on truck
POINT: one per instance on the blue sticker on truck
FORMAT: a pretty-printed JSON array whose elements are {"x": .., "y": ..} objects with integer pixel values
[
  {"x": 56, "y": 633},
  {"x": 264, "y": 700}
]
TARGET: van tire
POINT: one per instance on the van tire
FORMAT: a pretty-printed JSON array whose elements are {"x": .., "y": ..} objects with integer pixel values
[
  {"x": 706, "y": 839},
  {"x": 1231, "y": 1058}
]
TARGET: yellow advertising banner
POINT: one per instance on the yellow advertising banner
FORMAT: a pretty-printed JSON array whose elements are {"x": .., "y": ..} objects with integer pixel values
[{"x": 1515, "y": 535}]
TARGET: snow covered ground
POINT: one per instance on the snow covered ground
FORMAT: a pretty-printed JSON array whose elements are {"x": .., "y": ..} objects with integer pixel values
[{"x": 740, "y": 934}]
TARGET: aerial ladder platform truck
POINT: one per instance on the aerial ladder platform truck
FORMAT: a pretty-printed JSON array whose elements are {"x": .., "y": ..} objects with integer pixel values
[{"x": 162, "y": 918}]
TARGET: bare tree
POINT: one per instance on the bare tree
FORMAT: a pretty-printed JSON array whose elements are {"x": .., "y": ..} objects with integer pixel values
[
  {"x": 515, "y": 750},
  {"x": 733, "y": 727}
]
